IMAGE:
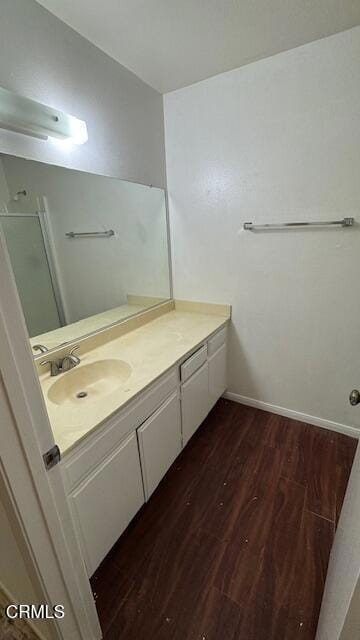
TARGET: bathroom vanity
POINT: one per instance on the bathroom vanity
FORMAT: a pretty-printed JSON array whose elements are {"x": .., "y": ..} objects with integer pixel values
[
  {"x": 127, "y": 373},
  {"x": 123, "y": 415}
]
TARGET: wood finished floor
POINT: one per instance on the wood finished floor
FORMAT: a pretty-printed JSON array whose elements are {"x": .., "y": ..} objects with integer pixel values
[{"x": 234, "y": 543}]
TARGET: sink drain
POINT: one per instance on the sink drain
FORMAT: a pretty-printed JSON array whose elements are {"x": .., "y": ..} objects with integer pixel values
[{"x": 82, "y": 394}]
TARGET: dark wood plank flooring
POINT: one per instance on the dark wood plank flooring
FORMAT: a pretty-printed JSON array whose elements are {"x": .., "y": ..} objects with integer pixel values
[{"x": 234, "y": 543}]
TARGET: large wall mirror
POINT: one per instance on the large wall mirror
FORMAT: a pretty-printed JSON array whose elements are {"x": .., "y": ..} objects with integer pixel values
[{"x": 87, "y": 251}]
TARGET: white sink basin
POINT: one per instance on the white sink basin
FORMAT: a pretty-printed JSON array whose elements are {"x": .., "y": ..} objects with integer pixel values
[{"x": 89, "y": 382}]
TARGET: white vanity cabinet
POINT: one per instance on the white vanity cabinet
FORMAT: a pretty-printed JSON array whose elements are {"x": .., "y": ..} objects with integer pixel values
[
  {"x": 217, "y": 360},
  {"x": 206, "y": 384},
  {"x": 110, "y": 473},
  {"x": 103, "y": 475},
  {"x": 160, "y": 442},
  {"x": 107, "y": 500},
  {"x": 194, "y": 401}
]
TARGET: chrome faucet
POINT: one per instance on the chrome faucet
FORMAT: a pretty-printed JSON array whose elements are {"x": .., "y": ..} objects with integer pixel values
[{"x": 69, "y": 361}]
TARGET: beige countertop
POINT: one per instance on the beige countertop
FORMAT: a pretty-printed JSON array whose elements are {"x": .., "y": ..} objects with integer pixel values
[{"x": 149, "y": 351}]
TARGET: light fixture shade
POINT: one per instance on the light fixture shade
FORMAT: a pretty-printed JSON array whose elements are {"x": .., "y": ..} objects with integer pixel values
[{"x": 38, "y": 120}]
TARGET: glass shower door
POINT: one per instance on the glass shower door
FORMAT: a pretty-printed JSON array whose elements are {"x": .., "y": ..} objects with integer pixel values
[{"x": 25, "y": 244}]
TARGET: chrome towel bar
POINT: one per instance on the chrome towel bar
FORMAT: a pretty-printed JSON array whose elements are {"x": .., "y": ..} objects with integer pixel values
[
  {"x": 345, "y": 222},
  {"x": 91, "y": 234}
]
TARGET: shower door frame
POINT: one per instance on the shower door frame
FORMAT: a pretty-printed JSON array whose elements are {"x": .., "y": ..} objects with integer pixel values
[{"x": 43, "y": 218}]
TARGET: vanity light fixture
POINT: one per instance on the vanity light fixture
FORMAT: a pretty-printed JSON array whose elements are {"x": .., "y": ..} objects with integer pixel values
[{"x": 38, "y": 120}]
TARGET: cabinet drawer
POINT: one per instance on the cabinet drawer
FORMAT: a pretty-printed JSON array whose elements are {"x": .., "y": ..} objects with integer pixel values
[
  {"x": 216, "y": 341},
  {"x": 76, "y": 465},
  {"x": 193, "y": 363},
  {"x": 160, "y": 442},
  {"x": 107, "y": 501},
  {"x": 194, "y": 402}
]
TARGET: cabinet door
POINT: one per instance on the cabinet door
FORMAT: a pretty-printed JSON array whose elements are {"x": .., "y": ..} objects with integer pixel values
[
  {"x": 194, "y": 401},
  {"x": 217, "y": 375},
  {"x": 160, "y": 442},
  {"x": 107, "y": 500}
]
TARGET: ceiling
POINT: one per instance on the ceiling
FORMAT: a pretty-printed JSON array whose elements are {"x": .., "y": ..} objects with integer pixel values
[{"x": 174, "y": 43}]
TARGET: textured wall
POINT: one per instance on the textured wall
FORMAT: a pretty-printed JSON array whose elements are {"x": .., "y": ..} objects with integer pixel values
[{"x": 277, "y": 140}]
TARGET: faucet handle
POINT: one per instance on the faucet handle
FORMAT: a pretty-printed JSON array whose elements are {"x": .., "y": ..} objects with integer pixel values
[
  {"x": 54, "y": 367},
  {"x": 77, "y": 346}
]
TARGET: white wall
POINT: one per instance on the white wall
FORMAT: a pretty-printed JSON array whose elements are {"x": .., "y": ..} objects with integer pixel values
[
  {"x": 340, "y": 611},
  {"x": 97, "y": 274},
  {"x": 277, "y": 140},
  {"x": 43, "y": 59}
]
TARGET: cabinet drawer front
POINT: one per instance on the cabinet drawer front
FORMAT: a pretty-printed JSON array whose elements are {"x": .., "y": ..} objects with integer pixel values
[
  {"x": 77, "y": 465},
  {"x": 193, "y": 363},
  {"x": 107, "y": 501},
  {"x": 216, "y": 341},
  {"x": 194, "y": 402},
  {"x": 160, "y": 442}
]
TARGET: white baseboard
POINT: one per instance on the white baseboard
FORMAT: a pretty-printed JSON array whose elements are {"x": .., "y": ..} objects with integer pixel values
[{"x": 295, "y": 415}]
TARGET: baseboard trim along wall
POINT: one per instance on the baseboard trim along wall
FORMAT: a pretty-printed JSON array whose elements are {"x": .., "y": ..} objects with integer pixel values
[{"x": 295, "y": 415}]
